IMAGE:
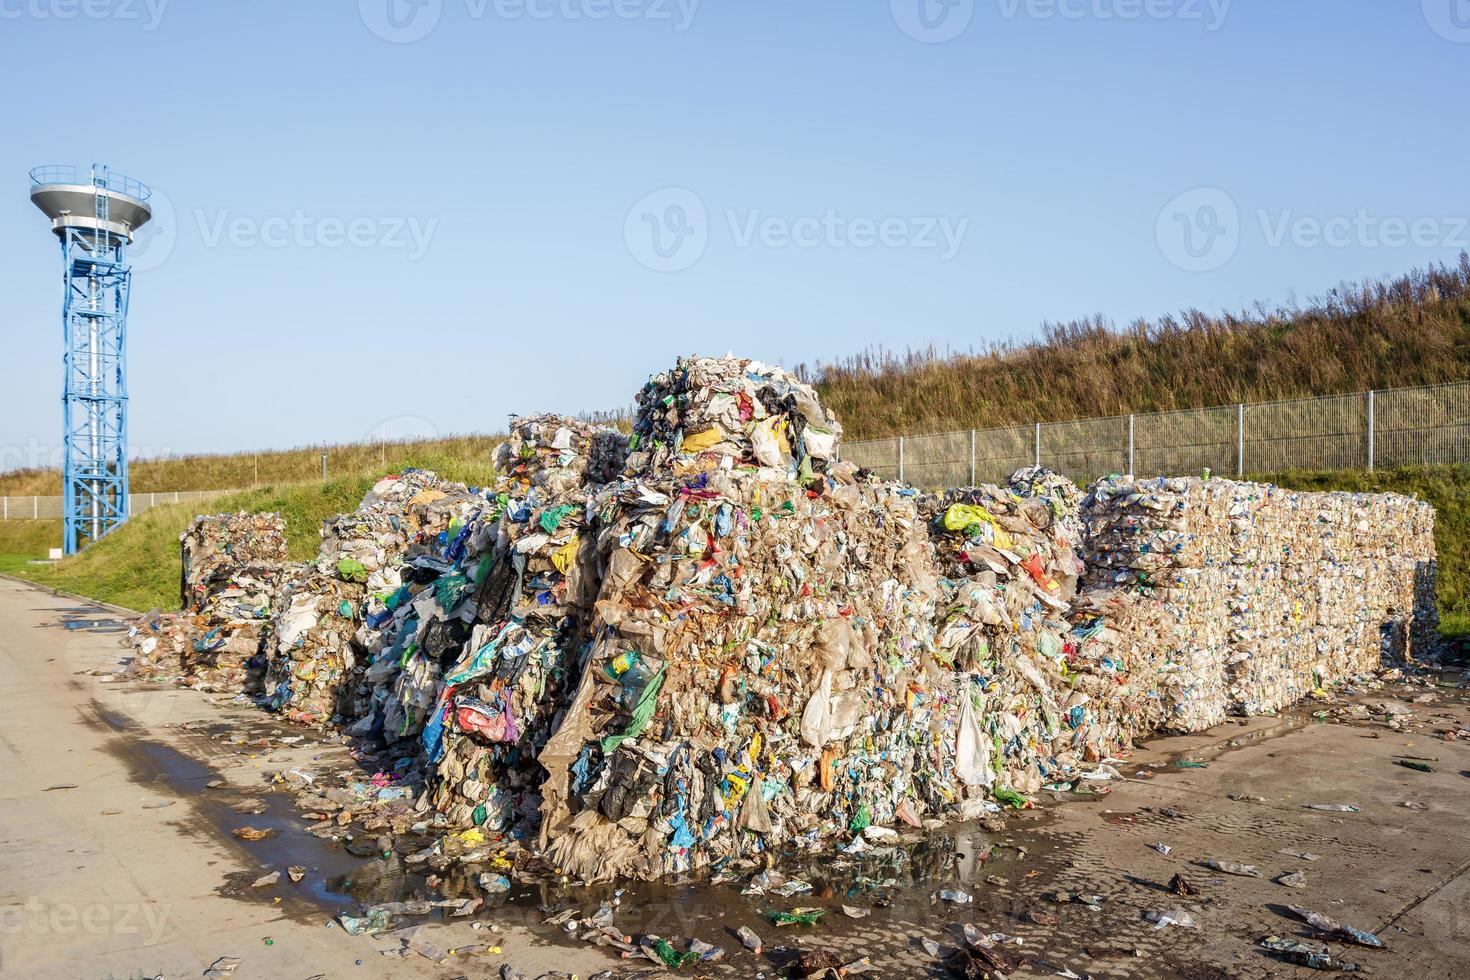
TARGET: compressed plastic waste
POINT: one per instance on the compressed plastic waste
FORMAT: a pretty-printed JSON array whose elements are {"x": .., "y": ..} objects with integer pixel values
[
  {"x": 710, "y": 413},
  {"x": 232, "y": 569},
  {"x": 712, "y": 640},
  {"x": 1254, "y": 596}
]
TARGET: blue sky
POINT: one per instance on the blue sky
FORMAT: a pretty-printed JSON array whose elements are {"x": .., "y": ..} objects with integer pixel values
[{"x": 424, "y": 217}]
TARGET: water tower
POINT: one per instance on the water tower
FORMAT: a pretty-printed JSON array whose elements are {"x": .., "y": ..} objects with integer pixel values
[{"x": 94, "y": 213}]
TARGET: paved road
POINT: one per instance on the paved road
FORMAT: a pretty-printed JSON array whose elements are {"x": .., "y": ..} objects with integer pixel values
[{"x": 119, "y": 862}]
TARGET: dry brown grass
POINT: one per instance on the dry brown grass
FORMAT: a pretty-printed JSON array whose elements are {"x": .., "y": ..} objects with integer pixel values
[{"x": 1413, "y": 330}]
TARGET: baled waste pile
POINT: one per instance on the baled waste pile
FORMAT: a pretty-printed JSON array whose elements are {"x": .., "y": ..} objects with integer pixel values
[
  {"x": 232, "y": 568},
  {"x": 500, "y": 693},
  {"x": 1049, "y": 702},
  {"x": 760, "y": 676},
  {"x": 316, "y": 668},
  {"x": 711, "y": 641},
  {"x": 764, "y": 671},
  {"x": 1260, "y": 595}
]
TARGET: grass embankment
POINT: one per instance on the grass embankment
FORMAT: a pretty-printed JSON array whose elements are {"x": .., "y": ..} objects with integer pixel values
[
  {"x": 1410, "y": 331},
  {"x": 270, "y": 468},
  {"x": 137, "y": 565}
]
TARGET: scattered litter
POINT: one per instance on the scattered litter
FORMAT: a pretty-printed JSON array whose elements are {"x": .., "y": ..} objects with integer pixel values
[
  {"x": 265, "y": 880},
  {"x": 296, "y": 872},
  {"x": 1173, "y": 917},
  {"x": 1297, "y": 853},
  {"x": 798, "y": 917},
  {"x": 1332, "y": 929},
  {"x": 1232, "y": 868},
  {"x": 1315, "y": 957},
  {"x": 1293, "y": 879},
  {"x": 253, "y": 833},
  {"x": 223, "y": 967},
  {"x": 1333, "y": 807}
]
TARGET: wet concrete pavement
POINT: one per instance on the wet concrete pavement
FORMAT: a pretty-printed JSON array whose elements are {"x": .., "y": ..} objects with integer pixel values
[{"x": 117, "y": 813}]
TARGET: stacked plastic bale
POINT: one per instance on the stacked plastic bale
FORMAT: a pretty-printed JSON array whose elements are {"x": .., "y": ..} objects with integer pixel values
[
  {"x": 1375, "y": 582},
  {"x": 1047, "y": 701},
  {"x": 533, "y": 588},
  {"x": 761, "y": 676},
  {"x": 760, "y": 671},
  {"x": 232, "y": 565},
  {"x": 1167, "y": 542},
  {"x": 1310, "y": 588},
  {"x": 316, "y": 670}
]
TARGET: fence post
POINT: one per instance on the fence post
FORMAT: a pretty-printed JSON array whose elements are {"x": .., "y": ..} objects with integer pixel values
[
  {"x": 900, "y": 459},
  {"x": 1038, "y": 443},
  {"x": 324, "y": 466},
  {"x": 1370, "y": 431},
  {"x": 1130, "y": 445},
  {"x": 7, "y": 508},
  {"x": 972, "y": 457},
  {"x": 1240, "y": 440},
  {"x": 35, "y": 507}
]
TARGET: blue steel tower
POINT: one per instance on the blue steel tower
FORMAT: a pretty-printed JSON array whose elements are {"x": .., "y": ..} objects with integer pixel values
[{"x": 94, "y": 213}]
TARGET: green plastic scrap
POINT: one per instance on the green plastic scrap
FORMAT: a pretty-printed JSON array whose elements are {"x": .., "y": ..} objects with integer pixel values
[
  {"x": 642, "y": 714},
  {"x": 861, "y": 820},
  {"x": 798, "y": 917},
  {"x": 352, "y": 570},
  {"x": 552, "y": 517},
  {"x": 672, "y": 957},
  {"x": 1010, "y": 798}
]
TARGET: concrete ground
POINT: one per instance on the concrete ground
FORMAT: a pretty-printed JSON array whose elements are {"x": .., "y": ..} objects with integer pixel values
[{"x": 119, "y": 799}]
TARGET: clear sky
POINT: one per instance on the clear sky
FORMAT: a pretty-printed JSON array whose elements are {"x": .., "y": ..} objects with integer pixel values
[{"x": 426, "y": 214}]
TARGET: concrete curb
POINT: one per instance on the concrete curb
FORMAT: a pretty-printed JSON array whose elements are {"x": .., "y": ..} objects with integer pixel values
[{"x": 60, "y": 593}]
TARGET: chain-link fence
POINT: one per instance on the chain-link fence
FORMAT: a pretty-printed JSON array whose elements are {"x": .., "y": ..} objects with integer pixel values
[
  {"x": 1397, "y": 427},
  {"x": 49, "y": 508}
]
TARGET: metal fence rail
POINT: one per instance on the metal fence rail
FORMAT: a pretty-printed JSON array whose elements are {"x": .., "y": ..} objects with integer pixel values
[
  {"x": 1397, "y": 427},
  {"x": 49, "y": 508}
]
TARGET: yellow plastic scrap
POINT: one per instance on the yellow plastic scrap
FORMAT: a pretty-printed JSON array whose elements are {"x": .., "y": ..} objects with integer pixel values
[
  {"x": 701, "y": 441},
  {"x": 962, "y": 516},
  {"x": 473, "y": 836},
  {"x": 566, "y": 556}
]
